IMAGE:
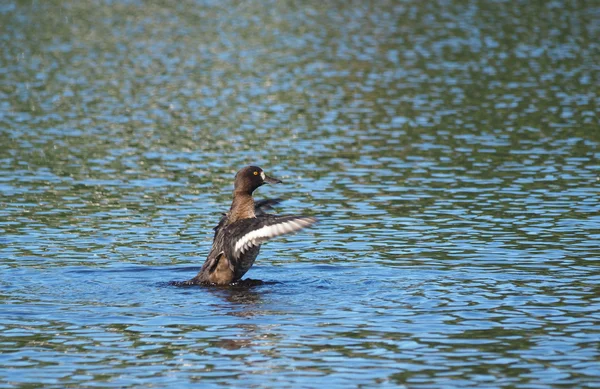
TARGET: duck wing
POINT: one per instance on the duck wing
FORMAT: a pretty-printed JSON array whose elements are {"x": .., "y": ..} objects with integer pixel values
[
  {"x": 244, "y": 234},
  {"x": 260, "y": 208},
  {"x": 219, "y": 226}
]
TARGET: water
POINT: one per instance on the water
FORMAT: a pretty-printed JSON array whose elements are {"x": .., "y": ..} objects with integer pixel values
[{"x": 449, "y": 149}]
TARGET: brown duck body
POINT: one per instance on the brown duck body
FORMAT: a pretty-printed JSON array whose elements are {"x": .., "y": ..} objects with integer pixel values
[
  {"x": 241, "y": 231},
  {"x": 218, "y": 268}
]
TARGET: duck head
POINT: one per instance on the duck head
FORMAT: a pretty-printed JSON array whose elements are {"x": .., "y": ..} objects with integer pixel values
[{"x": 250, "y": 178}]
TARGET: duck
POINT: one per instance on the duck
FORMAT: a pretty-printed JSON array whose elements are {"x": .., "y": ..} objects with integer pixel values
[{"x": 241, "y": 231}]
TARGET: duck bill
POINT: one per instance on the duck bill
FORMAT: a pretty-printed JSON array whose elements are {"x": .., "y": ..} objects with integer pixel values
[{"x": 271, "y": 180}]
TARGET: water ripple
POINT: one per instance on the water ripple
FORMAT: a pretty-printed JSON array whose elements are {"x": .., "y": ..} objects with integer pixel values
[{"x": 449, "y": 151}]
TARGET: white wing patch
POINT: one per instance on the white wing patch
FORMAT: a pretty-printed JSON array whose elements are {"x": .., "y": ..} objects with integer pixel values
[{"x": 256, "y": 237}]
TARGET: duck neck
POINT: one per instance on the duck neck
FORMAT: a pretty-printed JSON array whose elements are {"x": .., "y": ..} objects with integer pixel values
[{"x": 242, "y": 206}]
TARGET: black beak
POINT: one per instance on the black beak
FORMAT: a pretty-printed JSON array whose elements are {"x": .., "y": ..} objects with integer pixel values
[{"x": 271, "y": 180}]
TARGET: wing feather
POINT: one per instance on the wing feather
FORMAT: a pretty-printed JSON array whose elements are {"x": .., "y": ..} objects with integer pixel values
[
  {"x": 260, "y": 209},
  {"x": 249, "y": 233}
]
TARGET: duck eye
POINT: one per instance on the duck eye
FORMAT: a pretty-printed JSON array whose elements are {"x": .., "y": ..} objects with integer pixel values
[{"x": 255, "y": 173}]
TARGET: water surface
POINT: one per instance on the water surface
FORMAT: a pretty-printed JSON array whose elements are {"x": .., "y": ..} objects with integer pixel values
[{"x": 450, "y": 151}]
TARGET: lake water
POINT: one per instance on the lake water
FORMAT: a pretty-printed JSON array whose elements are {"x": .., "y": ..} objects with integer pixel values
[{"x": 450, "y": 150}]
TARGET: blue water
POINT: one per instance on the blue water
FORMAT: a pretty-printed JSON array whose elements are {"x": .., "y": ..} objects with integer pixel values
[{"x": 450, "y": 151}]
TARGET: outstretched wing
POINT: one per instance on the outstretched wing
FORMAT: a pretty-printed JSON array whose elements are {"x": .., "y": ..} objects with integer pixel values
[
  {"x": 247, "y": 233},
  {"x": 219, "y": 226},
  {"x": 260, "y": 208}
]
